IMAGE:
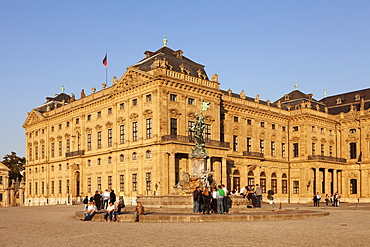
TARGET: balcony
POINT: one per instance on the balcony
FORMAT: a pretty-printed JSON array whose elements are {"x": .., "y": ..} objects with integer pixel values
[
  {"x": 253, "y": 154},
  {"x": 189, "y": 139},
  {"x": 75, "y": 153},
  {"x": 326, "y": 158}
]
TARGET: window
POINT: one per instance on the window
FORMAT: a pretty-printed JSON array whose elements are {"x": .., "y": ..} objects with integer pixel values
[
  {"x": 191, "y": 101},
  {"x": 236, "y": 119},
  {"x": 173, "y": 124},
  {"x": 148, "y": 154},
  {"x": 60, "y": 126},
  {"x": 322, "y": 131},
  {"x": 68, "y": 146},
  {"x": 353, "y": 186},
  {"x": 52, "y": 168},
  {"x": 262, "y": 124},
  {"x": 67, "y": 166},
  {"x": 99, "y": 161},
  {"x": 134, "y": 102},
  {"x": 30, "y": 153},
  {"x": 352, "y": 131},
  {"x": 263, "y": 184},
  {"x": 295, "y": 128},
  {"x": 331, "y": 151},
  {"x": 1, "y": 179},
  {"x": 88, "y": 185},
  {"x": 134, "y": 182},
  {"x": 295, "y": 187},
  {"x": 42, "y": 188},
  {"x": 122, "y": 106},
  {"x": 110, "y": 160},
  {"x": 148, "y": 97},
  {"x": 98, "y": 114},
  {"x": 235, "y": 143},
  {"x": 1, "y": 197},
  {"x": 98, "y": 179},
  {"x": 89, "y": 117},
  {"x": 77, "y": 120},
  {"x": 60, "y": 167},
  {"x": 262, "y": 146},
  {"x": 190, "y": 132},
  {"x": 352, "y": 150},
  {"x": 99, "y": 139},
  {"x": 110, "y": 111},
  {"x": 173, "y": 97},
  {"x": 273, "y": 126},
  {"x": 122, "y": 134},
  {"x": 121, "y": 158},
  {"x": 122, "y": 183},
  {"x": 322, "y": 149},
  {"x": 60, "y": 148},
  {"x": 313, "y": 148},
  {"x": 109, "y": 182},
  {"x": 110, "y": 138},
  {"x": 295, "y": 149},
  {"x": 36, "y": 188},
  {"x": 274, "y": 185},
  {"x": 250, "y": 178},
  {"x": 148, "y": 181},
  {"x": 36, "y": 170},
  {"x": 52, "y": 187},
  {"x": 207, "y": 132},
  {"x": 52, "y": 129},
  {"x": 283, "y": 128},
  {"x": 249, "y": 122},
  {"x": 88, "y": 162},
  {"x": 313, "y": 128},
  {"x": 60, "y": 187},
  {"x": 339, "y": 101},
  {"x": 249, "y": 144},
  {"x": 36, "y": 153},
  {"x": 134, "y": 131},
  {"x": 148, "y": 128},
  {"x": 330, "y": 132},
  {"x": 42, "y": 169},
  {"x": 30, "y": 189},
  {"x": 272, "y": 148},
  {"x": 134, "y": 156},
  {"x": 284, "y": 184},
  {"x": 88, "y": 141},
  {"x": 43, "y": 151}
]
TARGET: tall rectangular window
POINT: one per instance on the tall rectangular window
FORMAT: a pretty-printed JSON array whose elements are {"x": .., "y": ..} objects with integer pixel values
[
  {"x": 173, "y": 97},
  {"x": 68, "y": 147},
  {"x": 148, "y": 128},
  {"x": 110, "y": 138},
  {"x": 30, "y": 153},
  {"x": 173, "y": 126},
  {"x": 249, "y": 144},
  {"x": 99, "y": 139},
  {"x": 263, "y": 184},
  {"x": 60, "y": 186},
  {"x": 110, "y": 111},
  {"x": 148, "y": 97},
  {"x": 235, "y": 143},
  {"x": 191, "y": 101},
  {"x": 322, "y": 149},
  {"x": 295, "y": 187},
  {"x": 88, "y": 185},
  {"x": 36, "y": 188},
  {"x": 42, "y": 188},
  {"x": 52, "y": 187},
  {"x": 43, "y": 151},
  {"x": 313, "y": 148},
  {"x": 109, "y": 182},
  {"x": 88, "y": 141},
  {"x": 134, "y": 182},
  {"x": 60, "y": 148},
  {"x": 134, "y": 131},
  {"x": 36, "y": 152},
  {"x": 122, "y": 134},
  {"x": 262, "y": 146},
  {"x": 352, "y": 150},
  {"x": 207, "y": 132},
  {"x": 122, "y": 106},
  {"x": 148, "y": 181},
  {"x": 134, "y": 102},
  {"x": 274, "y": 185},
  {"x": 353, "y": 186},
  {"x": 272, "y": 148},
  {"x": 122, "y": 183},
  {"x": 331, "y": 151},
  {"x": 295, "y": 149},
  {"x": 284, "y": 186},
  {"x": 283, "y": 150},
  {"x": 190, "y": 132},
  {"x": 98, "y": 181}
]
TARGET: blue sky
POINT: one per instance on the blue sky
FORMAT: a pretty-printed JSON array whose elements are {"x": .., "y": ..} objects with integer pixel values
[{"x": 261, "y": 47}]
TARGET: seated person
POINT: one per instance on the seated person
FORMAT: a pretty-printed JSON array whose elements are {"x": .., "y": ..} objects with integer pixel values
[
  {"x": 90, "y": 212},
  {"x": 111, "y": 212},
  {"x": 121, "y": 204},
  {"x": 139, "y": 210}
]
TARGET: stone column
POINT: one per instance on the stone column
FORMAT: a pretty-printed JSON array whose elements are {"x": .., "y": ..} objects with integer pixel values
[
  {"x": 315, "y": 180},
  {"x": 165, "y": 178},
  {"x": 326, "y": 181},
  {"x": 223, "y": 179},
  {"x": 171, "y": 173},
  {"x": 335, "y": 181}
]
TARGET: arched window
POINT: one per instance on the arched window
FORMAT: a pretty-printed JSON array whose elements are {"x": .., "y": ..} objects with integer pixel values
[
  {"x": 284, "y": 175},
  {"x": 250, "y": 174},
  {"x": 99, "y": 161},
  {"x": 148, "y": 154},
  {"x": 134, "y": 156},
  {"x": 109, "y": 160},
  {"x": 263, "y": 174},
  {"x": 36, "y": 170},
  {"x": 121, "y": 158},
  {"x": 52, "y": 168},
  {"x": 88, "y": 162},
  {"x": 273, "y": 175},
  {"x": 236, "y": 173},
  {"x": 60, "y": 166},
  {"x": 42, "y": 169},
  {"x": 250, "y": 178}
]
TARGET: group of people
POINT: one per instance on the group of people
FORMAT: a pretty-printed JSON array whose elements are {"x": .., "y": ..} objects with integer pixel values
[
  {"x": 252, "y": 193},
  {"x": 215, "y": 201},
  {"x": 334, "y": 199}
]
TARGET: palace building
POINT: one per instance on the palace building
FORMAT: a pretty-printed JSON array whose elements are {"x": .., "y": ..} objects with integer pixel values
[{"x": 132, "y": 137}]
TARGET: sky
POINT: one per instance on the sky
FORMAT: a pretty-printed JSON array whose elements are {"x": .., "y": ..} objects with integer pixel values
[{"x": 259, "y": 46}]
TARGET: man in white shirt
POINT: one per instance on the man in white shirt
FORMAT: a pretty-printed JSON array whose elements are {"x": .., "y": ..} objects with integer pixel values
[
  {"x": 90, "y": 212},
  {"x": 106, "y": 197},
  {"x": 110, "y": 211}
]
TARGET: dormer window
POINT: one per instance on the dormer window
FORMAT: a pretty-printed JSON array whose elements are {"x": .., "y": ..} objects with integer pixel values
[
  {"x": 357, "y": 97},
  {"x": 286, "y": 97},
  {"x": 339, "y": 101}
]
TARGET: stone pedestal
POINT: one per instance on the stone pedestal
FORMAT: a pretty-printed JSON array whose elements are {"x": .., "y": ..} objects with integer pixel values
[{"x": 197, "y": 166}]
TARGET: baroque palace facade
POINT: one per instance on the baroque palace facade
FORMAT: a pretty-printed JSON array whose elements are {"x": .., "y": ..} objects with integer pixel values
[{"x": 133, "y": 137}]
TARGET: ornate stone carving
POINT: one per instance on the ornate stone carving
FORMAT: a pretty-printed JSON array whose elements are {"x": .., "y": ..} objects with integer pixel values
[
  {"x": 88, "y": 130},
  {"x": 109, "y": 125},
  {"x": 98, "y": 127},
  {"x": 121, "y": 120},
  {"x": 148, "y": 114},
  {"x": 174, "y": 113},
  {"x": 215, "y": 78},
  {"x": 134, "y": 117},
  {"x": 209, "y": 120}
]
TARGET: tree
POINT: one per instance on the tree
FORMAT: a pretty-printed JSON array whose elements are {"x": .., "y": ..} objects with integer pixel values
[{"x": 15, "y": 164}]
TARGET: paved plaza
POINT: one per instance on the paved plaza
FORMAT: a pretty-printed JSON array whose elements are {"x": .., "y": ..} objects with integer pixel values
[{"x": 57, "y": 226}]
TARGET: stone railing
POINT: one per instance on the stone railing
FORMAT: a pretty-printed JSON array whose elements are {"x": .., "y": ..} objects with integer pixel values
[
  {"x": 189, "y": 139},
  {"x": 326, "y": 158},
  {"x": 75, "y": 153},
  {"x": 253, "y": 154}
]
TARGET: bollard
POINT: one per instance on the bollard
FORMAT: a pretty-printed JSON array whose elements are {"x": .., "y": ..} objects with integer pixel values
[
  {"x": 298, "y": 205},
  {"x": 358, "y": 201},
  {"x": 280, "y": 207}
]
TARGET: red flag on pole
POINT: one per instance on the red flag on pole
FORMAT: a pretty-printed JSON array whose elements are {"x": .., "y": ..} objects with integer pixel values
[{"x": 105, "y": 60}]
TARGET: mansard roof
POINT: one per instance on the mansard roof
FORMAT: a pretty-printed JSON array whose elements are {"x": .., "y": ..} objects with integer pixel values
[
  {"x": 54, "y": 102},
  {"x": 174, "y": 61},
  {"x": 342, "y": 102},
  {"x": 297, "y": 97}
]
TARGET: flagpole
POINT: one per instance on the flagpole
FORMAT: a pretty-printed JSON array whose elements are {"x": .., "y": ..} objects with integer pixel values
[{"x": 106, "y": 69}]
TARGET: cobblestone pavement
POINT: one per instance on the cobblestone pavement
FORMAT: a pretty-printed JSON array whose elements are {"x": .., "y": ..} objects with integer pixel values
[{"x": 57, "y": 226}]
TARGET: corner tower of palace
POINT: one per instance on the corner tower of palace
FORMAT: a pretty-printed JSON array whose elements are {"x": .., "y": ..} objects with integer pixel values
[{"x": 132, "y": 137}]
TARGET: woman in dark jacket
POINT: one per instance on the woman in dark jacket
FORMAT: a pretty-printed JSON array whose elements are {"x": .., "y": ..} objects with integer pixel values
[{"x": 206, "y": 201}]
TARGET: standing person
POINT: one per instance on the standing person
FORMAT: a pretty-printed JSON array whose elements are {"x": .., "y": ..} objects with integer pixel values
[
  {"x": 139, "y": 210},
  {"x": 112, "y": 196},
  {"x": 197, "y": 194},
  {"x": 86, "y": 202},
  {"x": 106, "y": 197},
  {"x": 250, "y": 192},
  {"x": 327, "y": 199},
  {"x": 258, "y": 196},
  {"x": 97, "y": 198},
  {"x": 318, "y": 198},
  {"x": 206, "y": 201},
  {"x": 225, "y": 196},
  {"x": 214, "y": 200},
  {"x": 227, "y": 202},
  {"x": 314, "y": 200},
  {"x": 335, "y": 200},
  {"x": 220, "y": 200},
  {"x": 242, "y": 191}
]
